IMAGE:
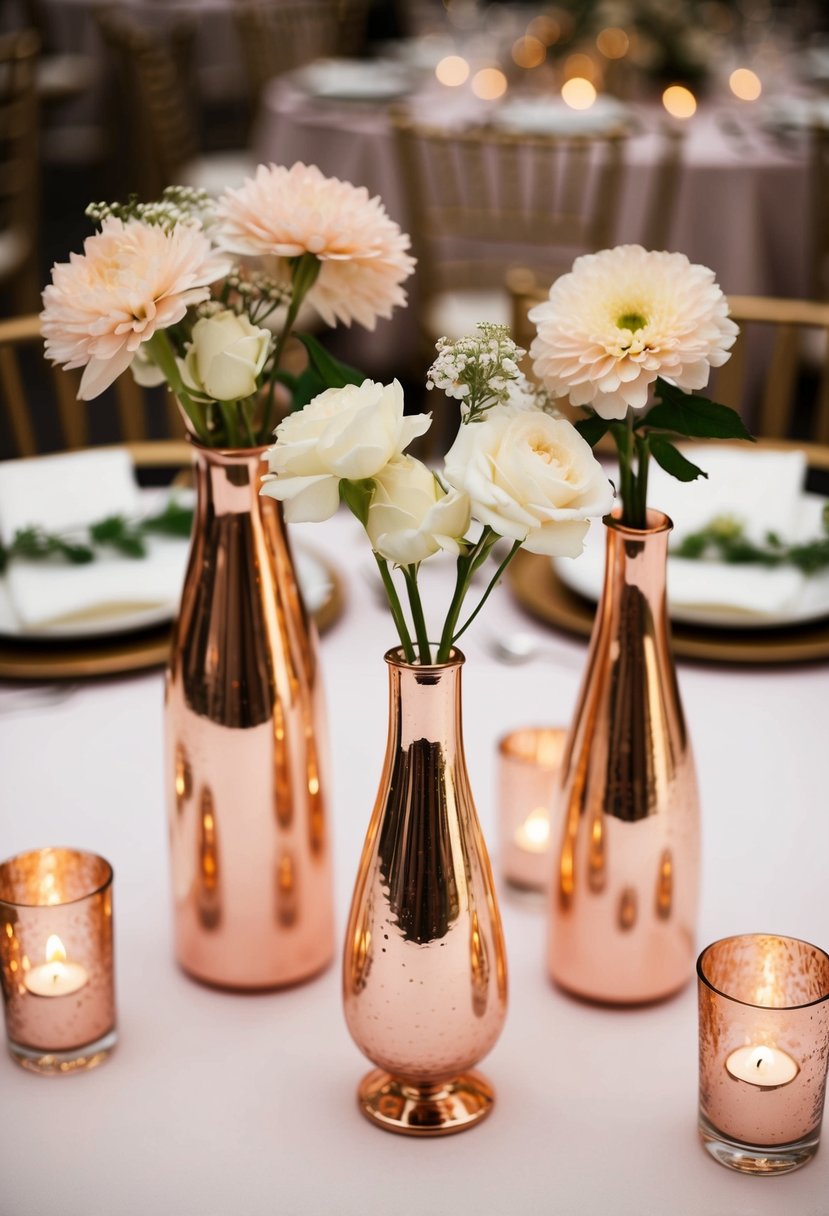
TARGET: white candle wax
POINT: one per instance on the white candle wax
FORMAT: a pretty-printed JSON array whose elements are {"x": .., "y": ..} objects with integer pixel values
[
  {"x": 534, "y": 833},
  {"x": 766, "y": 1067},
  {"x": 55, "y": 977}
]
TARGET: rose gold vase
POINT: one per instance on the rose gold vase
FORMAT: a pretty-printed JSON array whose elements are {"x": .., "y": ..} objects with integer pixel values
[
  {"x": 424, "y": 976},
  {"x": 625, "y": 822},
  {"x": 246, "y": 746}
]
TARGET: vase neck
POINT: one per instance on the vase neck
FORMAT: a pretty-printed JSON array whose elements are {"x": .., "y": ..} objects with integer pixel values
[
  {"x": 637, "y": 558},
  {"x": 229, "y": 480},
  {"x": 425, "y": 702}
]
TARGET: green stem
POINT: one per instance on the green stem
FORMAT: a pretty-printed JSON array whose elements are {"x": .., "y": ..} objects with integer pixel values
[
  {"x": 228, "y": 412},
  {"x": 467, "y": 565},
  {"x": 416, "y": 605},
  {"x": 304, "y": 274},
  {"x": 247, "y": 425},
  {"x": 644, "y": 453},
  {"x": 165, "y": 359},
  {"x": 396, "y": 609},
  {"x": 492, "y": 584}
]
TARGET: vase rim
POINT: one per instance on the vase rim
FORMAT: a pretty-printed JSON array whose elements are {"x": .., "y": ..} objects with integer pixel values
[
  {"x": 735, "y": 937},
  {"x": 658, "y": 522},
  {"x": 228, "y": 453},
  {"x": 395, "y": 658}
]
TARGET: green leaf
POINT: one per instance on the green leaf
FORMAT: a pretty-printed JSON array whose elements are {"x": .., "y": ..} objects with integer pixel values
[
  {"x": 592, "y": 429},
  {"x": 78, "y": 555},
  {"x": 331, "y": 371},
  {"x": 672, "y": 460},
  {"x": 357, "y": 497},
  {"x": 174, "y": 520},
  {"x": 696, "y": 417},
  {"x": 308, "y": 385}
]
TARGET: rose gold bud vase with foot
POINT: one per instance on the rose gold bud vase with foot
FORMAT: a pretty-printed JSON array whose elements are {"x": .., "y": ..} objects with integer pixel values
[
  {"x": 424, "y": 980},
  {"x": 246, "y": 746},
  {"x": 625, "y": 823}
]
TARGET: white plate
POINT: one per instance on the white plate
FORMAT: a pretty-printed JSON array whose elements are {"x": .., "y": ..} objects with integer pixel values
[
  {"x": 546, "y": 116},
  {"x": 355, "y": 79},
  {"x": 314, "y": 579}
]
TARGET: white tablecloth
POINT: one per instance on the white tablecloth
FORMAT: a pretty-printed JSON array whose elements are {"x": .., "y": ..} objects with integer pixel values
[{"x": 216, "y": 1104}]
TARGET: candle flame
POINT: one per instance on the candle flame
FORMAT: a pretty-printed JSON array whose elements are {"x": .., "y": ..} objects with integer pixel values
[{"x": 55, "y": 952}]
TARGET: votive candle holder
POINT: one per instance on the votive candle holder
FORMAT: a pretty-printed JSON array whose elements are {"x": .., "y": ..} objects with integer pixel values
[
  {"x": 529, "y": 760},
  {"x": 763, "y": 1049},
  {"x": 56, "y": 959}
]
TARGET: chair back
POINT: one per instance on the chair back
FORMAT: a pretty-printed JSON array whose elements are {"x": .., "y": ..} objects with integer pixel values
[
  {"x": 152, "y": 79},
  {"x": 778, "y": 375},
  {"x": 40, "y": 412},
  {"x": 19, "y": 177}
]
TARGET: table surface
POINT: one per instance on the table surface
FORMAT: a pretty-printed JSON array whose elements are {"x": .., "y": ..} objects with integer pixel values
[{"x": 216, "y": 1103}]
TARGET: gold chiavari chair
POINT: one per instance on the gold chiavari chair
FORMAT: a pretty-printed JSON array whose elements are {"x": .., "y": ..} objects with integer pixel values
[
  {"x": 781, "y": 394},
  {"x": 19, "y": 176}
]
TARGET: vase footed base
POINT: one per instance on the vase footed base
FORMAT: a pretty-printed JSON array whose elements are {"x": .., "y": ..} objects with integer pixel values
[
  {"x": 56, "y": 1063},
  {"x": 427, "y": 1110},
  {"x": 757, "y": 1159}
]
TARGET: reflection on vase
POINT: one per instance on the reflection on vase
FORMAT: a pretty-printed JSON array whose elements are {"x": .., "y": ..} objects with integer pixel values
[
  {"x": 246, "y": 746},
  {"x": 424, "y": 977},
  {"x": 625, "y": 827}
]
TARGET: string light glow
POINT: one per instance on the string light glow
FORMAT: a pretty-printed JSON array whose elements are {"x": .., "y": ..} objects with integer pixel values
[
  {"x": 612, "y": 42},
  {"x": 452, "y": 70},
  {"x": 679, "y": 101},
  {"x": 578, "y": 93},
  {"x": 529, "y": 51},
  {"x": 489, "y": 84},
  {"x": 745, "y": 84}
]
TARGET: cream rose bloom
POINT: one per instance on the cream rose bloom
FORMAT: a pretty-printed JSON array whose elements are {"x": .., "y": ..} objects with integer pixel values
[
  {"x": 348, "y": 433},
  {"x": 411, "y": 516},
  {"x": 531, "y": 478},
  {"x": 224, "y": 357}
]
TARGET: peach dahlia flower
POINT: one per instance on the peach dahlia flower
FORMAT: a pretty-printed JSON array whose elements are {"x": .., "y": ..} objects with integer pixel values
[
  {"x": 621, "y": 318},
  {"x": 131, "y": 280},
  {"x": 288, "y": 212}
]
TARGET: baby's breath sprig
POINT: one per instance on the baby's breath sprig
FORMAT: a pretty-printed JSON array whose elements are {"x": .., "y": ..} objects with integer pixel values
[
  {"x": 177, "y": 205},
  {"x": 480, "y": 371}
]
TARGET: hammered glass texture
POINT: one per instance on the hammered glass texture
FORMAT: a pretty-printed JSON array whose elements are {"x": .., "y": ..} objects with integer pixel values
[
  {"x": 759, "y": 990},
  {"x": 425, "y": 986},
  {"x": 625, "y": 820},
  {"x": 68, "y": 894},
  {"x": 246, "y": 745},
  {"x": 528, "y": 763}
]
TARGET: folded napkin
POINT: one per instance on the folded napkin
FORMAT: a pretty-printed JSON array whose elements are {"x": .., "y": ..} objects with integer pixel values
[
  {"x": 761, "y": 489},
  {"x": 64, "y": 493},
  {"x": 548, "y": 116}
]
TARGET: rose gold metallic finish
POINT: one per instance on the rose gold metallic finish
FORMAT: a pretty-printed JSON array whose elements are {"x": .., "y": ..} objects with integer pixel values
[
  {"x": 59, "y": 896},
  {"x": 769, "y": 994},
  {"x": 246, "y": 757},
  {"x": 625, "y": 824},
  {"x": 424, "y": 976},
  {"x": 528, "y": 763}
]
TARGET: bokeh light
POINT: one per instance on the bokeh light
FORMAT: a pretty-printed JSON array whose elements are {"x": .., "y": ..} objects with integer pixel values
[
  {"x": 578, "y": 93},
  {"x": 745, "y": 84},
  {"x": 545, "y": 29},
  {"x": 452, "y": 70},
  {"x": 612, "y": 42},
  {"x": 529, "y": 51},
  {"x": 579, "y": 65},
  {"x": 489, "y": 83},
  {"x": 679, "y": 101}
]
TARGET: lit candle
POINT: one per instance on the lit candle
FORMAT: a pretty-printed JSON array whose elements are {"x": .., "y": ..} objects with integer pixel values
[
  {"x": 55, "y": 977},
  {"x": 534, "y": 833},
  {"x": 766, "y": 1067}
]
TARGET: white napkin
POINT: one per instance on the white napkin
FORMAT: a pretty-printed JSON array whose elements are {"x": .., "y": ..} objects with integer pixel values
[
  {"x": 764, "y": 491},
  {"x": 548, "y": 116},
  {"x": 64, "y": 492}
]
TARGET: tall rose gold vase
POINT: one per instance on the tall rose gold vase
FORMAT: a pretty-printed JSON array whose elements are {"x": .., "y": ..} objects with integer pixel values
[
  {"x": 246, "y": 746},
  {"x": 424, "y": 979},
  {"x": 625, "y": 822}
]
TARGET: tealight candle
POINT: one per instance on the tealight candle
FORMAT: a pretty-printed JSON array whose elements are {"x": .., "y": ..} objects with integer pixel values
[
  {"x": 764, "y": 1041},
  {"x": 55, "y": 977},
  {"x": 528, "y": 764},
  {"x": 56, "y": 959}
]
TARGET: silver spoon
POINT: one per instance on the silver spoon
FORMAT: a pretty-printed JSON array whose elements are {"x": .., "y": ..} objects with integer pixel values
[{"x": 517, "y": 648}]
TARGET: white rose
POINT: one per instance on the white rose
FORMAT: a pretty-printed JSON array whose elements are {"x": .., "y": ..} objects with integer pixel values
[
  {"x": 225, "y": 356},
  {"x": 145, "y": 371},
  {"x": 411, "y": 516},
  {"x": 347, "y": 433},
  {"x": 531, "y": 478}
]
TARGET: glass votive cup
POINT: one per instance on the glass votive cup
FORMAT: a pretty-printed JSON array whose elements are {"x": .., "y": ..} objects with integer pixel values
[
  {"x": 528, "y": 764},
  {"x": 763, "y": 1045},
  {"x": 56, "y": 959}
]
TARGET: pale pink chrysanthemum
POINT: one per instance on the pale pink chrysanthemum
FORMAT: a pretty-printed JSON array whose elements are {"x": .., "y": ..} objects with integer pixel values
[
  {"x": 621, "y": 318},
  {"x": 288, "y": 212},
  {"x": 131, "y": 280}
]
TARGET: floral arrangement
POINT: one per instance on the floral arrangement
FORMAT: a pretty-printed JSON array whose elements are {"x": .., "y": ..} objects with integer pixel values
[
  {"x": 514, "y": 471},
  {"x": 168, "y": 289},
  {"x": 631, "y": 335}
]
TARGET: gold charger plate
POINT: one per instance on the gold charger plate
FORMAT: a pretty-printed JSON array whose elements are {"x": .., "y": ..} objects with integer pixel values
[
  {"x": 117, "y": 654},
  {"x": 538, "y": 589}
]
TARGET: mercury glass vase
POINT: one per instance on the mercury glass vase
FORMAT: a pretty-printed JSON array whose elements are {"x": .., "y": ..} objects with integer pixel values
[
  {"x": 625, "y": 820},
  {"x": 246, "y": 748},
  {"x": 425, "y": 984}
]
